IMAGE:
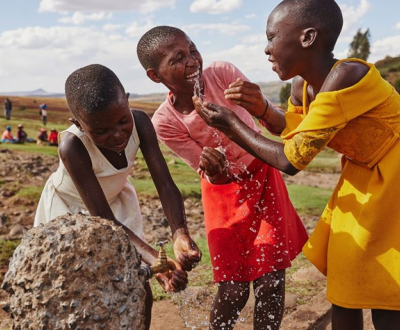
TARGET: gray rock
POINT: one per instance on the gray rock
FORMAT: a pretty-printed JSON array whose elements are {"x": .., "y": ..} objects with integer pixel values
[{"x": 59, "y": 277}]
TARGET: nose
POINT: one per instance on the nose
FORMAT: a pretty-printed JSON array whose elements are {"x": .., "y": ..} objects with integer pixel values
[
  {"x": 117, "y": 134},
  {"x": 193, "y": 60},
  {"x": 266, "y": 50}
]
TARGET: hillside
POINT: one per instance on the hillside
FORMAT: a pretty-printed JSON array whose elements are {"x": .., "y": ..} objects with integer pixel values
[{"x": 389, "y": 68}]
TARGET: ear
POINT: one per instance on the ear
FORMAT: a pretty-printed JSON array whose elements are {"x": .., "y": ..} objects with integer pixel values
[
  {"x": 76, "y": 123},
  {"x": 153, "y": 75},
  {"x": 308, "y": 37}
]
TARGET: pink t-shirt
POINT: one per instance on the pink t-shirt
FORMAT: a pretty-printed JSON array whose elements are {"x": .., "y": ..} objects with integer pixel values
[{"x": 186, "y": 135}]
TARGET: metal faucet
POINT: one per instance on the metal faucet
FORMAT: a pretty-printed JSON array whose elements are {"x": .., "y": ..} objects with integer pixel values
[{"x": 160, "y": 266}]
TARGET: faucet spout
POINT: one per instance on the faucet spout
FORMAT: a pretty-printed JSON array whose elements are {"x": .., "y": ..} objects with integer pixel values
[{"x": 162, "y": 265}]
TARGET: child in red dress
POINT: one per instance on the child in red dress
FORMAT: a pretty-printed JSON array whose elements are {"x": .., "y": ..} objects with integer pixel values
[{"x": 253, "y": 230}]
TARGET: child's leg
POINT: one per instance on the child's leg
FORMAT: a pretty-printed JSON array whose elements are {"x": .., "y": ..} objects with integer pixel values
[
  {"x": 346, "y": 319},
  {"x": 148, "y": 305},
  {"x": 386, "y": 320},
  {"x": 269, "y": 293},
  {"x": 229, "y": 301}
]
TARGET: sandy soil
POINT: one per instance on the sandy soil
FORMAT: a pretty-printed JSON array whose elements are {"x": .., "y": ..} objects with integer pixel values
[{"x": 188, "y": 310}]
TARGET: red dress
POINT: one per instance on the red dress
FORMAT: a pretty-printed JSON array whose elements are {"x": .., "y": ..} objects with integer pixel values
[{"x": 252, "y": 227}]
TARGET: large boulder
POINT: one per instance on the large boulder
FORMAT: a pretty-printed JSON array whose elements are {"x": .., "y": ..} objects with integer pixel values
[{"x": 76, "y": 272}]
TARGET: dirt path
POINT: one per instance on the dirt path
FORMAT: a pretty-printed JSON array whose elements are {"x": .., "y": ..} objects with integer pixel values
[{"x": 190, "y": 309}]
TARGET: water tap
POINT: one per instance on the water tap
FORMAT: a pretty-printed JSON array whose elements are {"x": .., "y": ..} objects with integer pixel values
[{"x": 160, "y": 266}]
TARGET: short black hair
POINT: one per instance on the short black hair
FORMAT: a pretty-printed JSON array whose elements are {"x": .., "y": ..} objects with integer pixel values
[
  {"x": 324, "y": 15},
  {"x": 150, "y": 43},
  {"x": 91, "y": 89}
]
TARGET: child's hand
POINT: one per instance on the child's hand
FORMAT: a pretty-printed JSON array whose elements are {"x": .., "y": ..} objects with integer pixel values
[
  {"x": 212, "y": 162},
  {"x": 247, "y": 95},
  {"x": 187, "y": 254},
  {"x": 214, "y": 115},
  {"x": 173, "y": 281}
]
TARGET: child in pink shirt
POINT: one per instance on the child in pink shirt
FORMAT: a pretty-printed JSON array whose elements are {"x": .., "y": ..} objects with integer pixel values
[{"x": 253, "y": 230}]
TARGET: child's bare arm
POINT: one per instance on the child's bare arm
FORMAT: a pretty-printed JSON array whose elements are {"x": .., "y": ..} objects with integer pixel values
[
  {"x": 79, "y": 166},
  {"x": 186, "y": 251},
  {"x": 226, "y": 121},
  {"x": 249, "y": 96}
]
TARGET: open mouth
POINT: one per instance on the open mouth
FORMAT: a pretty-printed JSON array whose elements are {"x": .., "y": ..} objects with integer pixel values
[{"x": 194, "y": 76}]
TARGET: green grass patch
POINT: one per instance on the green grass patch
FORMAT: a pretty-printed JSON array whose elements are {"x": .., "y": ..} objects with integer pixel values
[
  {"x": 186, "y": 179},
  {"x": 32, "y": 148},
  {"x": 6, "y": 251},
  {"x": 309, "y": 200},
  {"x": 32, "y": 193}
]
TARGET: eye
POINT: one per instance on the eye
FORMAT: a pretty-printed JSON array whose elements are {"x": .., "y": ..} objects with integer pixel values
[
  {"x": 99, "y": 133},
  {"x": 177, "y": 59}
]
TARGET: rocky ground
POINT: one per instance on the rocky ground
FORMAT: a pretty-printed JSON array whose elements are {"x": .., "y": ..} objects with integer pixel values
[{"x": 187, "y": 310}]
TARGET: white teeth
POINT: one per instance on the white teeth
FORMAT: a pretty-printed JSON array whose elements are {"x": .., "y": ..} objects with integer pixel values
[{"x": 193, "y": 74}]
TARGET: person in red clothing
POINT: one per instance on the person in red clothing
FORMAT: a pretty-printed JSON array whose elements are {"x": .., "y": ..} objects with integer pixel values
[{"x": 53, "y": 137}]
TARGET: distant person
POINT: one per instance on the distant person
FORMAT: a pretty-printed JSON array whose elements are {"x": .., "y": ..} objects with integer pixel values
[
  {"x": 21, "y": 134},
  {"x": 43, "y": 113},
  {"x": 53, "y": 137},
  {"x": 42, "y": 137},
  {"x": 345, "y": 105},
  {"x": 7, "y": 137},
  {"x": 7, "y": 108},
  {"x": 253, "y": 230},
  {"x": 97, "y": 155}
]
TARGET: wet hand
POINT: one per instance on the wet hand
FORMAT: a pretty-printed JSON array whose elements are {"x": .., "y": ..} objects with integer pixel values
[
  {"x": 212, "y": 162},
  {"x": 214, "y": 115},
  {"x": 187, "y": 253},
  {"x": 173, "y": 281},
  {"x": 247, "y": 95}
]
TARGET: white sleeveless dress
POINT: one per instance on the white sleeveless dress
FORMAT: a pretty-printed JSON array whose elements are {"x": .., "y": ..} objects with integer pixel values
[{"x": 60, "y": 196}]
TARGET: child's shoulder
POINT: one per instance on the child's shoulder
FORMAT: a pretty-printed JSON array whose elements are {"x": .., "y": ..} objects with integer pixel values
[{"x": 345, "y": 73}]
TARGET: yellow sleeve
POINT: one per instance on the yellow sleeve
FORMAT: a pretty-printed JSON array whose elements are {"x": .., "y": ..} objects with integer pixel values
[
  {"x": 301, "y": 149},
  {"x": 293, "y": 117}
]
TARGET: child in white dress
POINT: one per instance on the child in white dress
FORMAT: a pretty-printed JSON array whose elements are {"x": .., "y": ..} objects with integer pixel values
[{"x": 96, "y": 157}]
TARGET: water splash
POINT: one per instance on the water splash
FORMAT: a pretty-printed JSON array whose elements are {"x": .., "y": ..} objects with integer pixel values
[{"x": 197, "y": 89}]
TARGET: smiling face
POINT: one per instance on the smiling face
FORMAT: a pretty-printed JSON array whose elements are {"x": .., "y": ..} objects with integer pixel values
[
  {"x": 111, "y": 127},
  {"x": 180, "y": 65},
  {"x": 284, "y": 44}
]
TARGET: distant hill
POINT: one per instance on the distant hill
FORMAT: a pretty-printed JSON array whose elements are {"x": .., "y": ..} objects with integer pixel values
[
  {"x": 272, "y": 90},
  {"x": 154, "y": 97},
  {"x": 389, "y": 68},
  {"x": 36, "y": 93},
  {"x": 269, "y": 89}
]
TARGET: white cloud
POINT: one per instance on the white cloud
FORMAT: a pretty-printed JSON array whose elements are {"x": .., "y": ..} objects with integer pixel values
[
  {"x": 104, "y": 5},
  {"x": 112, "y": 27},
  {"x": 215, "y": 6},
  {"x": 397, "y": 26},
  {"x": 249, "y": 58},
  {"x": 136, "y": 30},
  {"x": 352, "y": 16},
  {"x": 79, "y": 18},
  {"x": 389, "y": 46},
  {"x": 44, "y": 57},
  {"x": 227, "y": 29}
]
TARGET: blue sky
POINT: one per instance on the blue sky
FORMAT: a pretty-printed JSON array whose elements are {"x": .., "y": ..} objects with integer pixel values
[{"x": 42, "y": 42}]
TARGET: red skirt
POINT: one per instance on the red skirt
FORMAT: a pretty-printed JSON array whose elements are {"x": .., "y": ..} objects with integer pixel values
[{"x": 252, "y": 227}]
